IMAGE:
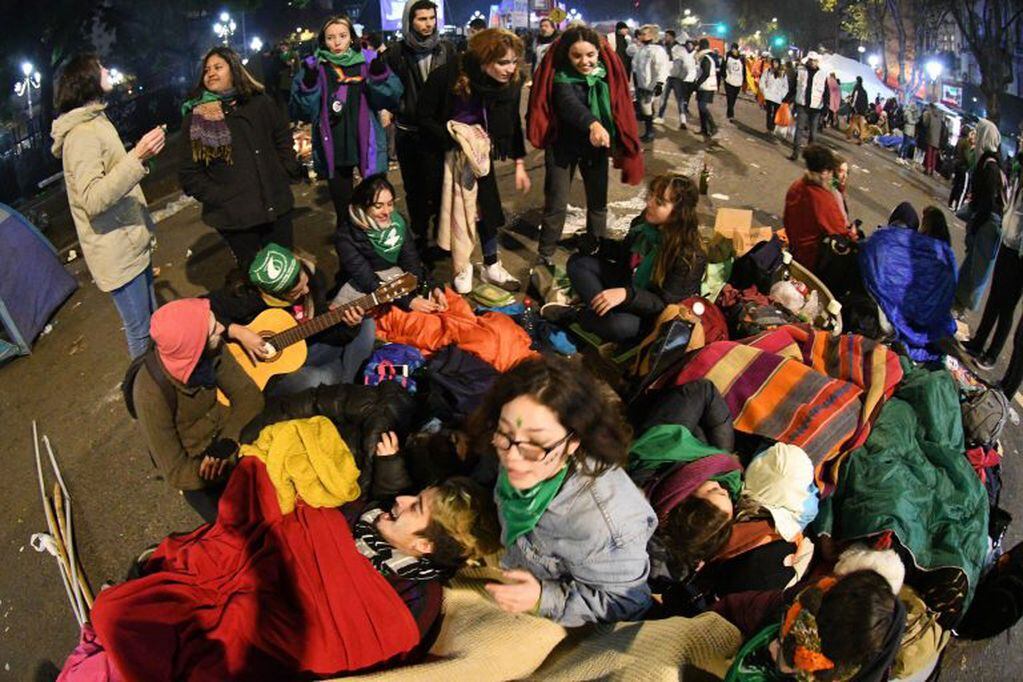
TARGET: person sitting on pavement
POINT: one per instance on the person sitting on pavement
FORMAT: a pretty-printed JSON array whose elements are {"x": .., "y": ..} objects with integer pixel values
[
  {"x": 191, "y": 436},
  {"x": 374, "y": 246},
  {"x": 811, "y": 210},
  {"x": 279, "y": 279},
  {"x": 661, "y": 261}
]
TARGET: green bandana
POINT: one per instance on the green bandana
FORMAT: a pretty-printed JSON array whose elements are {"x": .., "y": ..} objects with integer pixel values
[
  {"x": 671, "y": 443},
  {"x": 521, "y": 509},
  {"x": 349, "y": 57},
  {"x": 274, "y": 269},
  {"x": 599, "y": 94},
  {"x": 205, "y": 98},
  {"x": 646, "y": 245},
  {"x": 387, "y": 241}
]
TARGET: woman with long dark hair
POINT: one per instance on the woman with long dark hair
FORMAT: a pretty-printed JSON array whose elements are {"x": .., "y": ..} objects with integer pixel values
[
  {"x": 237, "y": 157},
  {"x": 584, "y": 132},
  {"x": 342, "y": 90},
  {"x": 107, "y": 205},
  {"x": 661, "y": 261},
  {"x": 574, "y": 525},
  {"x": 472, "y": 104}
]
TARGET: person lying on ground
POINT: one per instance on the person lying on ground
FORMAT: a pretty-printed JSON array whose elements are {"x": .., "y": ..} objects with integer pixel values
[
  {"x": 192, "y": 438},
  {"x": 278, "y": 279},
  {"x": 574, "y": 526},
  {"x": 627, "y": 285},
  {"x": 374, "y": 245}
]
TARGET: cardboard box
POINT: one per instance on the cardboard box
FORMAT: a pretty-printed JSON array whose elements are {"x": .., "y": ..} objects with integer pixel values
[{"x": 736, "y": 224}]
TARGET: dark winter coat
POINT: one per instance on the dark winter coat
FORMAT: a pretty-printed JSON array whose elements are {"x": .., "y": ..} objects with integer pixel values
[
  {"x": 254, "y": 188},
  {"x": 360, "y": 263},
  {"x": 403, "y": 63},
  {"x": 574, "y": 120},
  {"x": 860, "y": 102}
]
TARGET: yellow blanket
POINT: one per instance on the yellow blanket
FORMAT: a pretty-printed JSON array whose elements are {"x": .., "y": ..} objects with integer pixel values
[{"x": 307, "y": 458}]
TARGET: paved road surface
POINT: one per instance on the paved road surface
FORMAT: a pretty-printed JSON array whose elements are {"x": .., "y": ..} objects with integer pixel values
[{"x": 71, "y": 382}]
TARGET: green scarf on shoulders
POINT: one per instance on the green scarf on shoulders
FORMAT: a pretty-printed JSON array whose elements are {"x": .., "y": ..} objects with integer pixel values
[
  {"x": 206, "y": 98},
  {"x": 521, "y": 509},
  {"x": 646, "y": 245},
  {"x": 349, "y": 57},
  {"x": 387, "y": 241},
  {"x": 599, "y": 93}
]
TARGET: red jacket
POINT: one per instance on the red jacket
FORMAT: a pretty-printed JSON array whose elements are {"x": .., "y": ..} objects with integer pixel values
[
  {"x": 811, "y": 211},
  {"x": 542, "y": 124}
]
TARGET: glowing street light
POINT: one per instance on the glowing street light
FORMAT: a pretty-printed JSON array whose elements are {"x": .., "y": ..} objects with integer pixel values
[
  {"x": 574, "y": 16},
  {"x": 861, "y": 49},
  {"x": 116, "y": 77},
  {"x": 225, "y": 28},
  {"x": 27, "y": 69},
  {"x": 687, "y": 11},
  {"x": 873, "y": 60},
  {"x": 30, "y": 82},
  {"x": 256, "y": 44},
  {"x": 934, "y": 69},
  {"x": 722, "y": 28}
]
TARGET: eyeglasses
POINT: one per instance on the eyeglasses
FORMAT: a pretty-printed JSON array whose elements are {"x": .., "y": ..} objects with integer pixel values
[{"x": 529, "y": 451}]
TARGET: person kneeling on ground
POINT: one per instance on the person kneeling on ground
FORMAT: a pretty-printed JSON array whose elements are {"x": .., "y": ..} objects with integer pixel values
[
  {"x": 374, "y": 246},
  {"x": 192, "y": 438},
  {"x": 279, "y": 279},
  {"x": 629, "y": 283}
]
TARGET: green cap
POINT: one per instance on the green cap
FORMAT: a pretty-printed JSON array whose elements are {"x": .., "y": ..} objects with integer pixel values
[{"x": 274, "y": 269}]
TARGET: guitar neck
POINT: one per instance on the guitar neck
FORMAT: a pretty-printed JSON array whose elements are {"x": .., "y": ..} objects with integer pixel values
[{"x": 320, "y": 323}]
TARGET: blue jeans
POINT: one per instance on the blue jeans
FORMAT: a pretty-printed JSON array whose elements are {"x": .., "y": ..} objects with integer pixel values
[
  {"x": 908, "y": 147},
  {"x": 136, "y": 302},
  {"x": 806, "y": 119},
  {"x": 329, "y": 365},
  {"x": 982, "y": 244}
]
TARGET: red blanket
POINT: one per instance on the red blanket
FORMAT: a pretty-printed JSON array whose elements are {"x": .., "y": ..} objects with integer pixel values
[
  {"x": 255, "y": 596},
  {"x": 494, "y": 337},
  {"x": 542, "y": 124}
]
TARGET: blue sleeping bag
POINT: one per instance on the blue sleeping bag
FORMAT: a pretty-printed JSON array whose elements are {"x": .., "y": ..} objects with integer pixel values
[{"x": 913, "y": 279}]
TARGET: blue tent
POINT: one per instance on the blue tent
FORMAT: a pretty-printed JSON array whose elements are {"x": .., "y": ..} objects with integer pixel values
[{"x": 33, "y": 283}]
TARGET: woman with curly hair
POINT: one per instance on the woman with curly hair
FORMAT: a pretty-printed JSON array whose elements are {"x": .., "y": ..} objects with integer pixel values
[
  {"x": 470, "y": 107},
  {"x": 574, "y": 526},
  {"x": 660, "y": 262}
]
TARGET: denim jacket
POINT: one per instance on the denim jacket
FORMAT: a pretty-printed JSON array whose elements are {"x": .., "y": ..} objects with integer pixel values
[{"x": 589, "y": 551}]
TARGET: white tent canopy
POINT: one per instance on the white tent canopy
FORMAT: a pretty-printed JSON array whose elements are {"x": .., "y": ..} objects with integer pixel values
[{"x": 847, "y": 69}]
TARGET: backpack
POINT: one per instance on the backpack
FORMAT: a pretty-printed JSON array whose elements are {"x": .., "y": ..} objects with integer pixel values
[
  {"x": 758, "y": 266},
  {"x": 984, "y": 416},
  {"x": 998, "y": 602},
  {"x": 458, "y": 381},
  {"x": 152, "y": 365},
  {"x": 393, "y": 362}
]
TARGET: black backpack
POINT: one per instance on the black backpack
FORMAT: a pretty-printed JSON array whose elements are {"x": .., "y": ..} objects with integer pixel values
[
  {"x": 758, "y": 266},
  {"x": 152, "y": 365},
  {"x": 998, "y": 602}
]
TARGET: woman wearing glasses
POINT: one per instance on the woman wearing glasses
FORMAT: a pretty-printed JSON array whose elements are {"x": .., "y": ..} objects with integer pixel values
[{"x": 574, "y": 526}]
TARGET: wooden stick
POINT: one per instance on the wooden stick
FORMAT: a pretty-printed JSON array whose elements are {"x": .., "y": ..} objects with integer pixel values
[{"x": 67, "y": 540}]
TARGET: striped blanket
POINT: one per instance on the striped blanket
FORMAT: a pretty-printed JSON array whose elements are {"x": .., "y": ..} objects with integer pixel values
[{"x": 798, "y": 385}]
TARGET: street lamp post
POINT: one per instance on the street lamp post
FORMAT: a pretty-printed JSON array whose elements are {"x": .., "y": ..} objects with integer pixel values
[
  {"x": 225, "y": 28},
  {"x": 31, "y": 81}
]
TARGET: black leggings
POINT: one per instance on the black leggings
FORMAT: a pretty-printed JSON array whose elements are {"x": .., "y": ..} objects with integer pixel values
[
  {"x": 731, "y": 94},
  {"x": 245, "y": 244},
  {"x": 589, "y": 276},
  {"x": 772, "y": 110},
  {"x": 1007, "y": 281},
  {"x": 340, "y": 187}
]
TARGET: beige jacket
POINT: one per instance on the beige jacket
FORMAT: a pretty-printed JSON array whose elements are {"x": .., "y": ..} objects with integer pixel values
[{"x": 108, "y": 207}]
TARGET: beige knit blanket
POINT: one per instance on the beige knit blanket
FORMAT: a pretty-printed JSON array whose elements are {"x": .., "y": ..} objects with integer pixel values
[
  {"x": 470, "y": 159},
  {"x": 479, "y": 642}
]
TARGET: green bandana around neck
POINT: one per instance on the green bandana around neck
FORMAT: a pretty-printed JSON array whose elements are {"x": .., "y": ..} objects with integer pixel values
[
  {"x": 274, "y": 269},
  {"x": 598, "y": 96},
  {"x": 205, "y": 98},
  {"x": 349, "y": 57},
  {"x": 521, "y": 509},
  {"x": 387, "y": 241},
  {"x": 647, "y": 245}
]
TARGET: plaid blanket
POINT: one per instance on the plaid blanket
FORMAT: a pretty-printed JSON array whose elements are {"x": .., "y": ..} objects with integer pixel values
[{"x": 799, "y": 385}]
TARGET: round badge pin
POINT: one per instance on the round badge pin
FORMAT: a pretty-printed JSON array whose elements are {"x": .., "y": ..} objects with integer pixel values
[{"x": 336, "y": 106}]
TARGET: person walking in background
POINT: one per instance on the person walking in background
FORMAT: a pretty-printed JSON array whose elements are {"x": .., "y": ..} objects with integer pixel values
[
  {"x": 810, "y": 96},
  {"x": 650, "y": 68},
  {"x": 107, "y": 205},
  {"x": 859, "y": 104},
  {"x": 965, "y": 156},
  {"x": 774, "y": 85},
  {"x": 706, "y": 85},
  {"x": 676, "y": 74},
  {"x": 620, "y": 41},
  {"x": 733, "y": 73},
  {"x": 933, "y": 121},
  {"x": 689, "y": 72},
  {"x": 420, "y": 52},
  {"x": 341, "y": 90},
  {"x": 834, "y": 102},
  {"x": 984, "y": 225},
  {"x": 237, "y": 157}
]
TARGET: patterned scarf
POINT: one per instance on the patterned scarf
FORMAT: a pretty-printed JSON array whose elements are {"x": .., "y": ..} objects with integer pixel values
[
  {"x": 390, "y": 561},
  {"x": 386, "y": 241},
  {"x": 208, "y": 132}
]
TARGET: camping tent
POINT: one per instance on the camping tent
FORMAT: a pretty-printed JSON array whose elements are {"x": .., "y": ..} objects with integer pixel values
[
  {"x": 847, "y": 69},
  {"x": 33, "y": 283}
]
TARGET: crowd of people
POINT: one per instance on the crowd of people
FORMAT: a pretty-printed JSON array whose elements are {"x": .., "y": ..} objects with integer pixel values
[{"x": 340, "y": 495}]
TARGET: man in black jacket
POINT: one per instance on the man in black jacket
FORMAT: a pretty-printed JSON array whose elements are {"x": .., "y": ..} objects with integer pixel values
[
  {"x": 420, "y": 52},
  {"x": 859, "y": 103}
]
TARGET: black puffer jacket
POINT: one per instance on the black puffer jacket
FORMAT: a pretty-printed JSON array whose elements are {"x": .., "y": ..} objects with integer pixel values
[
  {"x": 255, "y": 188},
  {"x": 361, "y": 414},
  {"x": 359, "y": 262},
  {"x": 404, "y": 64}
]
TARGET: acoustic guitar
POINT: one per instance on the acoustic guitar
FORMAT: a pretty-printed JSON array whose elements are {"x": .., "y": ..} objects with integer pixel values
[{"x": 287, "y": 337}]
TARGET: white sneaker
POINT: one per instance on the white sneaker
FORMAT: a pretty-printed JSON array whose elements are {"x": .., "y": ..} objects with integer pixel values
[
  {"x": 463, "y": 280},
  {"x": 496, "y": 274},
  {"x": 659, "y": 120}
]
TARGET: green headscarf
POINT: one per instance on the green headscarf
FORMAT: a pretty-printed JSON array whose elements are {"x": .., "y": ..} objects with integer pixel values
[
  {"x": 647, "y": 245},
  {"x": 274, "y": 269},
  {"x": 349, "y": 57},
  {"x": 521, "y": 509},
  {"x": 598, "y": 96}
]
